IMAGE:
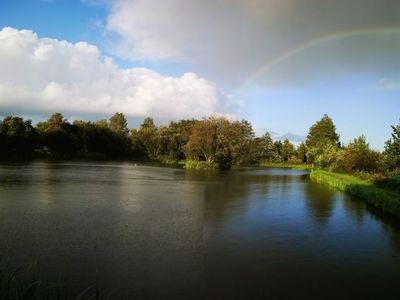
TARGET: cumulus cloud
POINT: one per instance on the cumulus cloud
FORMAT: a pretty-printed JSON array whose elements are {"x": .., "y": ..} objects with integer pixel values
[
  {"x": 47, "y": 75},
  {"x": 233, "y": 39}
]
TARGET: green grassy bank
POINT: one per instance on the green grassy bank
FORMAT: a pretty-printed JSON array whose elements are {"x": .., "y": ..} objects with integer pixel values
[
  {"x": 268, "y": 164},
  {"x": 383, "y": 199}
]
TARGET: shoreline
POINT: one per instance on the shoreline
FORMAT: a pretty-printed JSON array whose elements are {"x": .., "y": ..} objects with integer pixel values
[{"x": 385, "y": 200}]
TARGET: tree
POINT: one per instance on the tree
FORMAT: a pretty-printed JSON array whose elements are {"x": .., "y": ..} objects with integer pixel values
[
  {"x": 234, "y": 140},
  {"x": 17, "y": 136},
  {"x": 322, "y": 133},
  {"x": 302, "y": 152},
  {"x": 329, "y": 158},
  {"x": 57, "y": 134},
  {"x": 392, "y": 149},
  {"x": 288, "y": 150},
  {"x": 103, "y": 123},
  {"x": 278, "y": 146},
  {"x": 148, "y": 137},
  {"x": 202, "y": 144},
  {"x": 359, "y": 157},
  {"x": 217, "y": 140},
  {"x": 137, "y": 147},
  {"x": 173, "y": 138},
  {"x": 263, "y": 149},
  {"x": 118, "y": 124}
]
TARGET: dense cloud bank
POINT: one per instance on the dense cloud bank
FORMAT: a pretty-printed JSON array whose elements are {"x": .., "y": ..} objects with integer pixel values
[
  {"x": 232, "y": 40},
  {"x": 47, "y": 75}
]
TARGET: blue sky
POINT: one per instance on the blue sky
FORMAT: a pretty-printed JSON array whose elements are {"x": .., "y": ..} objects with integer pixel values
[{"x": 352, "y": 75}]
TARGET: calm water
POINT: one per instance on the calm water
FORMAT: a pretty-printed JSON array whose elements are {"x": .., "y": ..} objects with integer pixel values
[{"x": 149, "y": 231}]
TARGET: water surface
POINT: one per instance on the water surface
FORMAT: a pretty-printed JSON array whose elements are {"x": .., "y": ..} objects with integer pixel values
[{"x": 155, "y": 232}]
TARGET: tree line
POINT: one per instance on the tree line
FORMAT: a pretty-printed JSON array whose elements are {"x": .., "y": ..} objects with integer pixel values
[{"x": 209, "y": 143}]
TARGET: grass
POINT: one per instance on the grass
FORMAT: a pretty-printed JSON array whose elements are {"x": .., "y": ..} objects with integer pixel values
[
  {"x": 200, "y": 165},
  {"x": 388, "y": 201},
  {"x": 268, "y": 164},
  {"x": 24, "y": 284}
]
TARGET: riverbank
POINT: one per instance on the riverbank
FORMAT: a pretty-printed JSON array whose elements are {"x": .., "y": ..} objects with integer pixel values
[
  {"x": 383, "y": 199},
  {"x": 286, "y": 166}
]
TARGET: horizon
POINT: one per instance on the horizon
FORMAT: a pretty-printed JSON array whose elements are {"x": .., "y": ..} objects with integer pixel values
[{"x": 279, "y": 66}]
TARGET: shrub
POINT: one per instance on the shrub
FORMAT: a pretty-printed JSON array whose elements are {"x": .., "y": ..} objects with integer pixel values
[
  {"x": 294, "y": 161},
  {"x": 359, "y": 157},
  {"x": 200, "y": 165}
]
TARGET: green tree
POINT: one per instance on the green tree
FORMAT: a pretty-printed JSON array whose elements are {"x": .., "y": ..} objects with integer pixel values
[
  {"x": 148, "y": 134},
  {"x": 103, "y": 123},
  {"x": 118, "y": 124},
  {"x": 392, "y": 149},
  {"x": 173, "y": 138},
  {"x": 288, "y": 150},
  {"x": 278, "y": 146},
  {"x": 322, "y": 133},
  {"x": 359, "y": 157},
  {"x": 329, "y": 158},
  {"x": 302, "y": 152},
  {"x": 263, "y": 149},
  {"x": 137, "y": 147},
  {"x": 217, "y": 140}
]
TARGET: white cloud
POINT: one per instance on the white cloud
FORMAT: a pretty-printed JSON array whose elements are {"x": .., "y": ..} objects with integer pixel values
[
  {"x": 230, "y": 40},
  {"x": 389, "y": 85},
  {"x": 47, "y": 75}
]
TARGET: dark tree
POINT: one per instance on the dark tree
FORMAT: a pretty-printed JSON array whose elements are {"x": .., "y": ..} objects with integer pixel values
[{"x": 17, "y": 136}]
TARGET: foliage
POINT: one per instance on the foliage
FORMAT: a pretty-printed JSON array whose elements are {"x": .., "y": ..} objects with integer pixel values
[
  {"x": 200, "y": 165},
  {"x": 268, "y": 164},
  {"x": 392, "y": 150},
  {"x": 263, "y": 149},
  {"x": 219, "y": 140},
  {"x": 278, "y": 146},
  {"x": 57, "y": 135},
  {"x": 302, "y": 152},
  {"x": 215, "y": 139},
  {"x": 17, "y": 136},
  {"x": 359, "y": 157},
  {"x": 288, "y": 150},
  {"x": 329, "y": 157},
  {"x": 321, "y": 134},
  {"x": 149, "y": 138},
  {"x": 294, "y": 161},
  {"x": 118, "y": 124},
  {"x": 392, "y": 183}
]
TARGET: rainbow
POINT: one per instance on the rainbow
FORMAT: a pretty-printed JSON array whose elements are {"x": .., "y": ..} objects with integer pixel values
[{"x": 314, "y": 42}]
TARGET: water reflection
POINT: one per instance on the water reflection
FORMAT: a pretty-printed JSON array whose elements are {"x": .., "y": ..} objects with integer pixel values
[
  {"x": 320, "y": 202},
  {"x": 154, "y": 232}
]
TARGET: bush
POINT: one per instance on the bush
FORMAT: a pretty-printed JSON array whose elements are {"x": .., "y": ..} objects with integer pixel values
[
  {"x": 200, "y": 165},
  {"x": 330, "y": 158},
  {"x": 294, "y": 161},
  {"x": 359, "y": 157},
  {"x": 391, "y": 183}
]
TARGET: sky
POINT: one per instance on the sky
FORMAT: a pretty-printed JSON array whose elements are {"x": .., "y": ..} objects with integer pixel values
[{"x": 280, "y": 64}]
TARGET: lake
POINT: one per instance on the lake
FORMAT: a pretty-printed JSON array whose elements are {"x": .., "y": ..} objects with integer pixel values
[{"x": 147, "y": 231}]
